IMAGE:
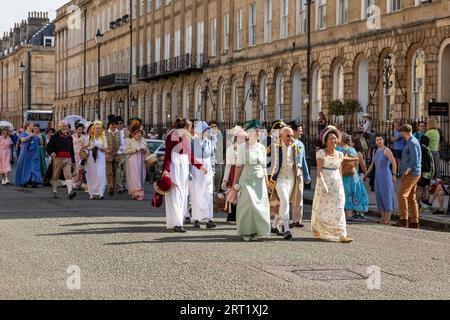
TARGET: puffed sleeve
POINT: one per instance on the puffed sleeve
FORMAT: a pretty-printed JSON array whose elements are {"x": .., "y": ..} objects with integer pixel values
[{"x": 320, "y": 154}]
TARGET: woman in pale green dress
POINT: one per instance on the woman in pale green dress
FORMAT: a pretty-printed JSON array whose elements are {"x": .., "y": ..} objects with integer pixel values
[{"x": 253, "y": 210}]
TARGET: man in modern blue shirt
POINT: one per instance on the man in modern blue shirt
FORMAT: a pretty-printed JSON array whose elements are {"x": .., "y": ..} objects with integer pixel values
[
  {"x": 410, "y": 172},
  {"x": 297, "y": 209}
]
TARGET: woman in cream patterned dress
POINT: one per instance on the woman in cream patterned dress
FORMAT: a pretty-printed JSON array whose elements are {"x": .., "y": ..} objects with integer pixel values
[{"x": 328, "y": 214}]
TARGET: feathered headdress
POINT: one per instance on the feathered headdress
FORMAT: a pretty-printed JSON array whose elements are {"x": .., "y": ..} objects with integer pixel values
[
  {"x": 135, "y": 127},
  {"x": 252, "y": 124}
]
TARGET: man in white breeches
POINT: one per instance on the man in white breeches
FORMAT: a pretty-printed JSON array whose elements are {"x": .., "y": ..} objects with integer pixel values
[{"x": 286, "y": 174}]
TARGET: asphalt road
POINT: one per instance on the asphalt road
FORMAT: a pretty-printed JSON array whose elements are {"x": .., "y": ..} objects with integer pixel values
[{"x": 121, "y": 250}]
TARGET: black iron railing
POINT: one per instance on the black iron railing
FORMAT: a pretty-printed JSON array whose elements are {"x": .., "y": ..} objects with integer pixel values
[
  {"x": 115, "y": 81},
  {"x": 385, "y": 128},
  {"x": 172, "y": 66}
]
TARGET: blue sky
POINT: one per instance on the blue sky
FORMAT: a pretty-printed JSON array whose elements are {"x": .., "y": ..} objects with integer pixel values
[{"x": 17, "y": 10}]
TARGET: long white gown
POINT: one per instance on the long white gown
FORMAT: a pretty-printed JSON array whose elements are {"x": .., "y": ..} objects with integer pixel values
[
  {"x": 176, "y": 200},
  {"x": 96, "y": 171},
  {"x": 328, "y": 214},
  {"x": 203, "y": 184}
]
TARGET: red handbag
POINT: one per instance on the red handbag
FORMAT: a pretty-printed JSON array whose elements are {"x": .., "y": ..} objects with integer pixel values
[{"x": 157, "y": 200}]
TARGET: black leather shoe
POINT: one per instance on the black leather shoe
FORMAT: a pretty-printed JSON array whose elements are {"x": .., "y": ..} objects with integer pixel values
[
  {"x": 72, "y": 195},
  {"x": 287, "y": 235},
  {"x": 196, "y": 224},
  {"x": 276, "y": 231},
  {"x": 210, "y": 224},
  {"x": 111, "y": 193},
  {"x": 179, "y": 229},
  {"x": 296, "y": 225},
  {"x": 55, "y": 196},
  {"x": 187, "y": 220}
]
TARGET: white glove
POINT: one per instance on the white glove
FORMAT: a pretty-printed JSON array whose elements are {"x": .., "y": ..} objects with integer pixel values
[{"x": 224, "y": 184}]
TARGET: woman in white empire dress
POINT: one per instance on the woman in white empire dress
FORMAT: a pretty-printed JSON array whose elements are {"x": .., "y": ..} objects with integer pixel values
[
  {"x": 202, "y": 184},
  {"x": 96, "y": 163},
  {"x": 328, "y": 214}
]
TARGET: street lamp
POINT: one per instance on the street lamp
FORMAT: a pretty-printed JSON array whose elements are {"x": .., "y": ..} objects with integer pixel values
[
  {"x": 207, "y": 94},
  {"x": 251, "y": 95},
  {"x": 133, "y": 100},
  {"x": 22, "y": 68},
  {"x": 120, "y": 106},
  {"x": 308, "y": 68},
  {"x": 98, "y": 40}
]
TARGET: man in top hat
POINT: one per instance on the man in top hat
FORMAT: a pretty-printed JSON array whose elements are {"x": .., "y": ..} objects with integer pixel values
[
  {"x": 121, "y": 166},
  {"x": 274, "y": 136},
  {"x": 112, "y": 154}
]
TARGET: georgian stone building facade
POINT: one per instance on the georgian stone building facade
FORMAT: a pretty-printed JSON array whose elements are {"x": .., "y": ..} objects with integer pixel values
[
  {"x": 200, "y": 58},
  {"x": 30, "y": 44}
]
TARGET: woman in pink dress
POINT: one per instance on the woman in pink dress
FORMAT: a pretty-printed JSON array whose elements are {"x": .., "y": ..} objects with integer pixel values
[
  {"x": 5, "y": 155},
  {"x": 137, "y": 152}
]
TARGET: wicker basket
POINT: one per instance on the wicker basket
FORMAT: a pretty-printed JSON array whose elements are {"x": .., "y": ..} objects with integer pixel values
[
  {"x": 219, "y": 203},
  {"x": 274, "y": 205}
]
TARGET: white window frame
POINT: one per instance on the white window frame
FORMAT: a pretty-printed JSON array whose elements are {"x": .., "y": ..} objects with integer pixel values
[
  {"x": 284, "y": 19},
  {"x": 252, "y": 25},
  {"x": 394, "y": 5},
  {"x": 213, "y": 33},
  {"x": 267, "y": 21},
  {"x": 226, "y": 32},
  {"x": 177, "y": 43},
  {"x": 321, "y": 14},
  {"x": 301, "y": 17},
  {"x": 239, "y": 29},
  {"x": 188, "y": 40},
  {"x": 341, "y": 12}
]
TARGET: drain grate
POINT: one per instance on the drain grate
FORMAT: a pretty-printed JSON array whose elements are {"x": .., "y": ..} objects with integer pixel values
[{"x": 329, "y": 274}]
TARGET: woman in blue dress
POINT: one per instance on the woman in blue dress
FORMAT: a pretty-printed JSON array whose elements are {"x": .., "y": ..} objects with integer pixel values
[
  {"x": 356, "y": 197},
  {"x": 29, "y": 165},
  {"x": 385, "y": 179}
]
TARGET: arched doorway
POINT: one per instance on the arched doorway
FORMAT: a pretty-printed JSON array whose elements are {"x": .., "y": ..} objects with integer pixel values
[
  {"x": 444, "y": 72},
  {"x": 363, "y": 84}
]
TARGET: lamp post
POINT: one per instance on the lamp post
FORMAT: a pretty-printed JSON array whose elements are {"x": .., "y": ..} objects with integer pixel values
[
  {"x": 22, "y": 68},
  {"x": 207, "y": 94},
  {"x": 308, "y": 68},
  {"x": 252, "y": 95},
  {"x": 120, "y": 107},
  {"x": 98, "y": 40},
  {"x": 131, "y": 107}
]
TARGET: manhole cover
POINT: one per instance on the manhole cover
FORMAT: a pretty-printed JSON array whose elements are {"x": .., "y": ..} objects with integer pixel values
[
  {"x": 23, "y": 190},
  {"x": 329, "y": 274}
]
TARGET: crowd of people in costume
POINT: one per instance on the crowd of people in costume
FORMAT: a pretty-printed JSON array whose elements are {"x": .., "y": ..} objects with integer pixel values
[
  {"x": 261, "y": 179},
  {"x": 89, "y": 157}
]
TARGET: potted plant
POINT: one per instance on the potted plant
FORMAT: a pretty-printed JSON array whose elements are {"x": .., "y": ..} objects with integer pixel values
[
  {"x": 352, "y": 107},
  {"x": 336, "y": 108}
]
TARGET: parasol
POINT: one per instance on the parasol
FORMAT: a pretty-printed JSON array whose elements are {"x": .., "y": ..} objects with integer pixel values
[
  {"x": 6, "y": 124},
  {"x": 72, "y": 119}
]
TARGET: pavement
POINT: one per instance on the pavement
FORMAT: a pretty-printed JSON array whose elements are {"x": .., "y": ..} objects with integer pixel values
[
  {"x": 427, "y": 219},
  {"x": 120, "y": 249}
]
